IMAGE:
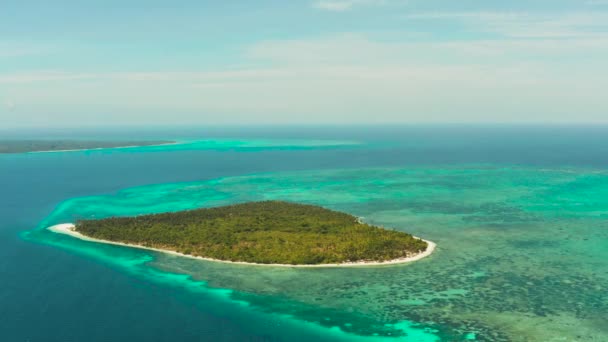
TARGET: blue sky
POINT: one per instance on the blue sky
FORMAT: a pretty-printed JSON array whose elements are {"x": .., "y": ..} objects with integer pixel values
[{"x": 328, "y": 61}]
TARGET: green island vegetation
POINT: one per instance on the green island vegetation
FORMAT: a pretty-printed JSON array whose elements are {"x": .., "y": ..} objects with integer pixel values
[
  {"x": 269, "y": 232},
  {"x": 24, "y": 146}
]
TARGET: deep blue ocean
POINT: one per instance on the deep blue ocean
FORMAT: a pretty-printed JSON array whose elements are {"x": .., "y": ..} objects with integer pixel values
[{"x": 51, "y": 294}]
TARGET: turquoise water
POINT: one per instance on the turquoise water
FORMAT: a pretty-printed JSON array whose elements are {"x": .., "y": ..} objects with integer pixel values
[
  {"x": 224, "y": 145},
  {"x": 522, "y": 247}
]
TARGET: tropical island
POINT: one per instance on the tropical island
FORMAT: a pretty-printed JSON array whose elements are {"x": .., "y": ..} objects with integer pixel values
[
  {"x": 267, "y": 233},
  {"x": 27, "y": 146}
]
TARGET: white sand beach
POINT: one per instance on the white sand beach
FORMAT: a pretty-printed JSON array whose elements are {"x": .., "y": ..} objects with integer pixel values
[
  {"x": 106, "y": 148},
  {"x": 69, "y": 229}
]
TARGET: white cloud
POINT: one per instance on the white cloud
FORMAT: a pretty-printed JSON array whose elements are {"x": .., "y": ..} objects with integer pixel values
[
  {"x": 345, "y": 5},
  {"x": 337, "y": 6},
  {"x": 42, "y": 76},
  {"x": 14, "y": 49},
  {"x": 342, "y": 78},
  {"x": 525, "y": 24},
  {"x": 353, "y": 49},
  {"x": 10, "y": 105},
  {"x": 597, "y": 2},
  {"x": 323, "y": 94}
]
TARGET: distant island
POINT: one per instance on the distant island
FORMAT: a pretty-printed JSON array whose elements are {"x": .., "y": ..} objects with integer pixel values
[
  {"x": 25, "y": 146},
  {"x": 268, "y": 233}
]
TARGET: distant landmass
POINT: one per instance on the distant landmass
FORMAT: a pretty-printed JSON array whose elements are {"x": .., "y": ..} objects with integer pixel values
[
  {"x": 269, "y": 232},
  {"x": 25, "y": 146}
]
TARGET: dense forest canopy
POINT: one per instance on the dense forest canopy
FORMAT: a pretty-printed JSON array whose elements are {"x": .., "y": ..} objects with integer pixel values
[
  {"x": 23, "y": 146},
  {"x": 270, "y": 232}
]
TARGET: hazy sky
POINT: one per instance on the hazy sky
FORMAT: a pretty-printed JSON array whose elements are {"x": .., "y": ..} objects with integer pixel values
[{"x": 73, "y": 62}]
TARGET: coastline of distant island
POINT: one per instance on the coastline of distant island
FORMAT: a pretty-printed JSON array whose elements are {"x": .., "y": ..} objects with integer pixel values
[
  {"x": 51, "y": 146},
  {"x": 258, "y": 233}
]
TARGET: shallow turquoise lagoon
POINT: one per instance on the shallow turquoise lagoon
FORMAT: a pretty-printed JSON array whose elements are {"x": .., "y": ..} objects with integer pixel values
[
  {"x": 223, "y": 145},
  {"x": 522, "y": 253},
  {"x": 518, "y": 213}
]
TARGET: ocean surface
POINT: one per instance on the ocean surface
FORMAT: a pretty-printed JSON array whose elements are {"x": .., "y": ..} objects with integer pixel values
[{"x": 519, "y": 213}]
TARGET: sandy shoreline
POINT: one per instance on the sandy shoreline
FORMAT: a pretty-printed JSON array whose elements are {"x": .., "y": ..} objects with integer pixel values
[
  {"x": 68, "y": 229},
  {"x": 104, "y": 148}
]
